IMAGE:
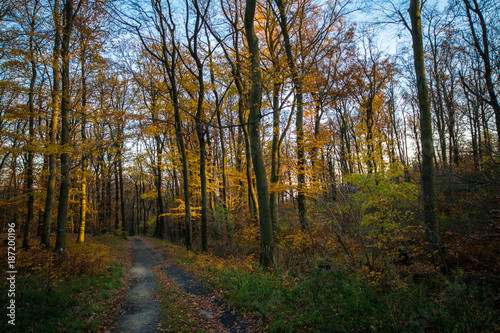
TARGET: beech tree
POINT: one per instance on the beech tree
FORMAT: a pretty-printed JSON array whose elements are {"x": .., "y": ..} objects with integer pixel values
[
  {"x": 69, "y": 14},
  {"x": 52, "y": 145},
  {"x": 266, "y": 231},
  {"x": 428, "y": 187}
]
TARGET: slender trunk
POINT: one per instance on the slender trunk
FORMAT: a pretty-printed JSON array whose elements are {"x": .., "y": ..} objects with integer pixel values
[
  {"x": 450, "y": 108},
  {"x": 370, "y": 161},
  {"x": 299, "y": 120},
  {"x": 108, "y": 198},
  {"x": 160, "y": 225},
  {"x": 438, "y": 102},
  {"x": 144, "y": 212},
  {"x": 225, "y": 213},
  {"x": 275, "y": 157},
  {"x": 203, "y": 183},
  {"x": 51, "y": 179},
  {"x": 185, "y": 170},
  {"x": 252, "y": 196},
  {"x": 117, "y": 195},
  {"x": 429, "y": 195},
  {"x": 62, "y": 209},
  {"x": 318, "y": 114},
  {"x": 83, "y": 199},
  {"x": 122, "y": 196},
  {"x": 83, "y": 203},
  {"x": 200, "y": 126},
  {"x": 225, "y": 206},
  {"x": 30, "y": 144},
  {"x": 266, "y": 231}
]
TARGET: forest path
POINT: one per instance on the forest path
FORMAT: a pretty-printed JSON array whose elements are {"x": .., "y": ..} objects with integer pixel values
[
  {"x": 142, "y": 310},
  {"x": 153, "y": 273}
]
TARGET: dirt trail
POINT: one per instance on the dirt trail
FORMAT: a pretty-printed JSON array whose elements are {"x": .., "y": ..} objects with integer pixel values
[{"x": 142, "y": 311}]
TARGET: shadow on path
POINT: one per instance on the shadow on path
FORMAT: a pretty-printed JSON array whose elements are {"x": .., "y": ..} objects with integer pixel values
[
  {"x": 186, "y": 281},
  {"x": 142, "y": 312}
]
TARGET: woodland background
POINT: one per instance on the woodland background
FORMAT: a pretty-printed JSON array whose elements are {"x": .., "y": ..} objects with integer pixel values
[{"x": 294, "y": 138}]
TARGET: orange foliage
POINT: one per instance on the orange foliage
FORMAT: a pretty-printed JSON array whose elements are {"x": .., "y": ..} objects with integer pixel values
[{"x": 85, "y": 259}]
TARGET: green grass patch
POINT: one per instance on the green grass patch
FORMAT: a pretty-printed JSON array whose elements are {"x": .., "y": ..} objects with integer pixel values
[
  {"x": 339, "y": 300},
  {"x": 73, "y": 305}
]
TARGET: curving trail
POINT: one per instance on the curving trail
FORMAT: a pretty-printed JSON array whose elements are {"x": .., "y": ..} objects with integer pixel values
[{"x": 143, "y": 312}]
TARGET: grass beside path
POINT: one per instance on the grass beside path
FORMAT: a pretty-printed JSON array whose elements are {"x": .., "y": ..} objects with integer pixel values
[
  {"x": 341, "y": 300},
  {"x": 77, "y": 291}
]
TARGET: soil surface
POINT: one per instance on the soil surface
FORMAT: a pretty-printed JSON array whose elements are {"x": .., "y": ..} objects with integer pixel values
[{"x": 143, "y": 313}]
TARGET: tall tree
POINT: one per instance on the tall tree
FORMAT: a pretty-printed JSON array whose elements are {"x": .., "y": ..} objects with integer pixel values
[
  {"x": 166, "y": 51},
  {"x": 29, "y": 12},
  {"x": 266, "y": 231},
  {"x": 69, "y": 14},
  {"x": 299, "y": 117},
  {"x": 482, "y": 44},
  {"x": 52, "y": 145},
  {"x": 374, "y": 71},
  {"x": 428, "y": 188},
  {"x": 201, "y": 130}
]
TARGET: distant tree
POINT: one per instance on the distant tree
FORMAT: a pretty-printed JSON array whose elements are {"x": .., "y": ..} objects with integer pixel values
[
  {"x": 374, "y": 72},
  {"x": 484, "y": 46}
]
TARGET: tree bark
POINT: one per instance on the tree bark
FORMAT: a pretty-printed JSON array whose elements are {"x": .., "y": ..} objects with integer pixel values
[
  {"x": 299, "y": 120},
  {"x": 62, "y": 209},
  {"x": 428, "y": 189},
  {"x": 83, "y": 199},
  {"x": 51, "y": 179},
  {"x": 200, "y": 126},
  {"x": 31, "y": 134},
  {"x": 275, "y": 156},
  {"x": 160, "y": 224},
  {"x": 266, "y": 231}
]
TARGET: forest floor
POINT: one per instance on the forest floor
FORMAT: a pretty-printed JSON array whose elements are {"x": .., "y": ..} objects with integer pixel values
[{"x": 165, "y": 298}]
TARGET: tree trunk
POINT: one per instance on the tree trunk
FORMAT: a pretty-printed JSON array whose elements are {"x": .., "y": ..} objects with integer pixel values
[
  {"x": 266, "y": 231},
  {"x": 252, "y": 196},
  {"x": 299, "y": 120},
  {"x": 83, "y": 199},
  {"x": 429, "y": 195},
  {"x": 62, "y": 209},
  {"x": 275, "y": 156},
  {"x": 30, "y": 144},
  {"x": 185, "y": 168},
  {"x": 122, "y": 196},
  {"x": 160, "y": 225},
  {"x": 200, "y": 126},
  {"x": 117, "y": 195},
  {"x": 51, "y": 179}
]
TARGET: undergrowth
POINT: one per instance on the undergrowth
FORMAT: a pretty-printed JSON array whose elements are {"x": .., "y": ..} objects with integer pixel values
[
  {"x": 363, "y": 263},
  {"x": 341, "y": 300},
  {"x": 69, "y": 292}
]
